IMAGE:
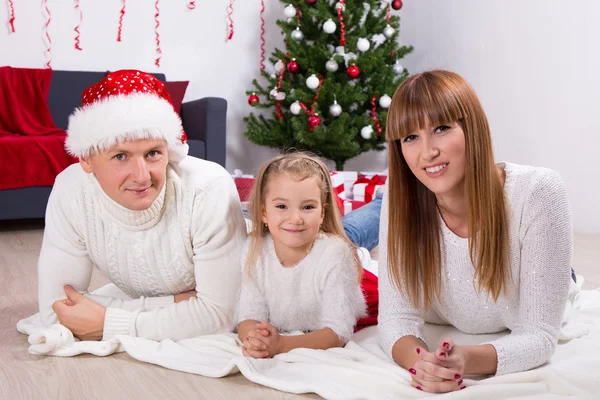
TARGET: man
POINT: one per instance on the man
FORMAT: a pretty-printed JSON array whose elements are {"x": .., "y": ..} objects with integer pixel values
[{"x": 166, "y": 229}]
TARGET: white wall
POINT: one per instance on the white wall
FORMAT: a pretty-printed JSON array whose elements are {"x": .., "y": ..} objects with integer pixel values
[
  {"x": 536, "y": 68},
  {"x": 529, "y": 60}
]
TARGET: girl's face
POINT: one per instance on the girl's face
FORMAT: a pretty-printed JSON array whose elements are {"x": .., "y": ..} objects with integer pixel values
[
  {"x": 293, "y": 212},
  {"x": 437, "y": 157}
]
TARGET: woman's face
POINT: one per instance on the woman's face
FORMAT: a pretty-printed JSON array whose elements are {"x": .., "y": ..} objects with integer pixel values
[{"x": 436, "y": 155}]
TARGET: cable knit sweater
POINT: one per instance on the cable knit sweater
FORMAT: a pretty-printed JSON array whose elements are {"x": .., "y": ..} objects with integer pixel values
[
  {"x": 321, "y": 291},
  {"x": 540, "y": 243},
  {"x": 189, "y": 239}
]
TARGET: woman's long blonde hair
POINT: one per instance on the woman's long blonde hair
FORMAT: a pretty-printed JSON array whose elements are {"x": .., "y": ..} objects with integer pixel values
[
  {"x": 298, "y": 166},
  {"x": 414, "y": 253}
]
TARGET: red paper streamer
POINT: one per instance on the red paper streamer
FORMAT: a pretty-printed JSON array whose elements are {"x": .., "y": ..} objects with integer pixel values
[
  {"x": 278, "y": 102},
  {"x": 342, "y": 25},
  {"x": 314, "y": 101},
  {"x": 46, "y": 35},
  {"x": 262, "y": 35},
  {"x": 310, "y": 111},
  {"x": 230, "y": 20},
  {"x": 191, "y": 5},
  {"x": 374, "y": 116},
  {"x": 122, "y": 12},
  {"x": 298, "y": 15},
  {"x": 11, "y": 21},
  {"x": 158, "y": 51},
  {"x": 77, "y": 34},
  {"x": 287, "y": 54}
]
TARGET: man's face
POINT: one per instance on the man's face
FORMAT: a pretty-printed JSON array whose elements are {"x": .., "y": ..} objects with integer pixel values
[{"x": 131, "y": 173}]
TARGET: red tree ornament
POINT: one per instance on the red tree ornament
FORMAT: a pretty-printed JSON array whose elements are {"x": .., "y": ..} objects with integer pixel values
[
  {"x": 353, "y": 71},
  {"x": 293, "y": 66},
  {"x": 397, "y": 4},
  {"x": 311, "y": 2},
  {"x": 313, "y": 121},
  {"x": 253, "y": 99}
]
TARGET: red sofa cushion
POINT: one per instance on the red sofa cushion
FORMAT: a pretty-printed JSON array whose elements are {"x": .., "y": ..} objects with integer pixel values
[{"x": 177, "y": 91}]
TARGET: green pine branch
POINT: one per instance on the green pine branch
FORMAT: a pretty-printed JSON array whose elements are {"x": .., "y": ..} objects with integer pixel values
[{"x": 336, "y": 138}]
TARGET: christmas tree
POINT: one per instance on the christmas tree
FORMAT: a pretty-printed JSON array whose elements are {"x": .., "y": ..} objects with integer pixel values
[{"x": 330, "y": 88}]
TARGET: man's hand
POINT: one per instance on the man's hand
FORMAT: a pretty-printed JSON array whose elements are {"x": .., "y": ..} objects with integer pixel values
[
  {"x": 82, "y": 316},
  {"x": 184, "y": 296}
]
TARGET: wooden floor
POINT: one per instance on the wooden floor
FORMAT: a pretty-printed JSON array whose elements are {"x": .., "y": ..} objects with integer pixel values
[{"x": 24, "y": 376}]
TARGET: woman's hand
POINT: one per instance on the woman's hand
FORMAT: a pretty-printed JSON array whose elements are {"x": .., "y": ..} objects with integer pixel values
[
  {"x": 184, "y": 296},
  {"x": 431, "y": 374},
  {"x": 82, "y": 316},
  {"x": 451, "y": 356},
  {"x": 479, "y": 359}
]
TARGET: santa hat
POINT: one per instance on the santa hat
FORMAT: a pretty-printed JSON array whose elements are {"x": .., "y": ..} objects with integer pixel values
[{"x": 125, "y": 105}]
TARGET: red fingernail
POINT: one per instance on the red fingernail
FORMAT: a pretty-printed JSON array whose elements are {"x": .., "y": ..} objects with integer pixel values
[
  {"x": 445, "y": 345},
  {"x": 419, "y": 387},
  {"x": 460, "y": 382},
  {"x": 462, "y": 387},
  {"x": 457, "y": 376},
  {"x": 418, "y": 350},
  {"x": 442, "y": 354},
  {"x": 412, "y": 371}
]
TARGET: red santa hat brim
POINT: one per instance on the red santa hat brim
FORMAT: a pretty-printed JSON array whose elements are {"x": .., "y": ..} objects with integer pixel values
[{"x": 98, "y": 126}]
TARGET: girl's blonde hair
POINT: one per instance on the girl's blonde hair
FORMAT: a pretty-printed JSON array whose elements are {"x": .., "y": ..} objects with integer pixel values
[
  {"x": 414, "y": 254},
  {"x": 298, "y": 166}
]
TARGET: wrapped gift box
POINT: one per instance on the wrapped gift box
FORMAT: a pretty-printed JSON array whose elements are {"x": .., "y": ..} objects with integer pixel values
[
  {"x": 244, "y": 187},
  {"x": 337, "y": 181},
  {"x": 364, "y": 188},
  {"x": 342, "y": 182},
  {"x": 350, "y": 205}
]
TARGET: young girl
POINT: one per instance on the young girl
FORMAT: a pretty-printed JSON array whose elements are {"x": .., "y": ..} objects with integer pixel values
[
  {"x": 301, "y": 273},
  {"x": 466, "y": 242}
]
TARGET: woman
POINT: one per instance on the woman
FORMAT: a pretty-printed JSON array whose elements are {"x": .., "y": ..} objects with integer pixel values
[{"x": 466, "y": 242}]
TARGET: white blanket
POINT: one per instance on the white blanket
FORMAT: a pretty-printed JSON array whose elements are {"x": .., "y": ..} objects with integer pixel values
[{"x": 358, "y": 371}]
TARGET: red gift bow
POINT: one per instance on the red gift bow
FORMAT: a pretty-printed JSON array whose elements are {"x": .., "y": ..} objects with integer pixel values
[
  {"x": 382, "y": 178},
  {"x": 338, "y": 189},
  {"x": 370, "y": 188}
]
